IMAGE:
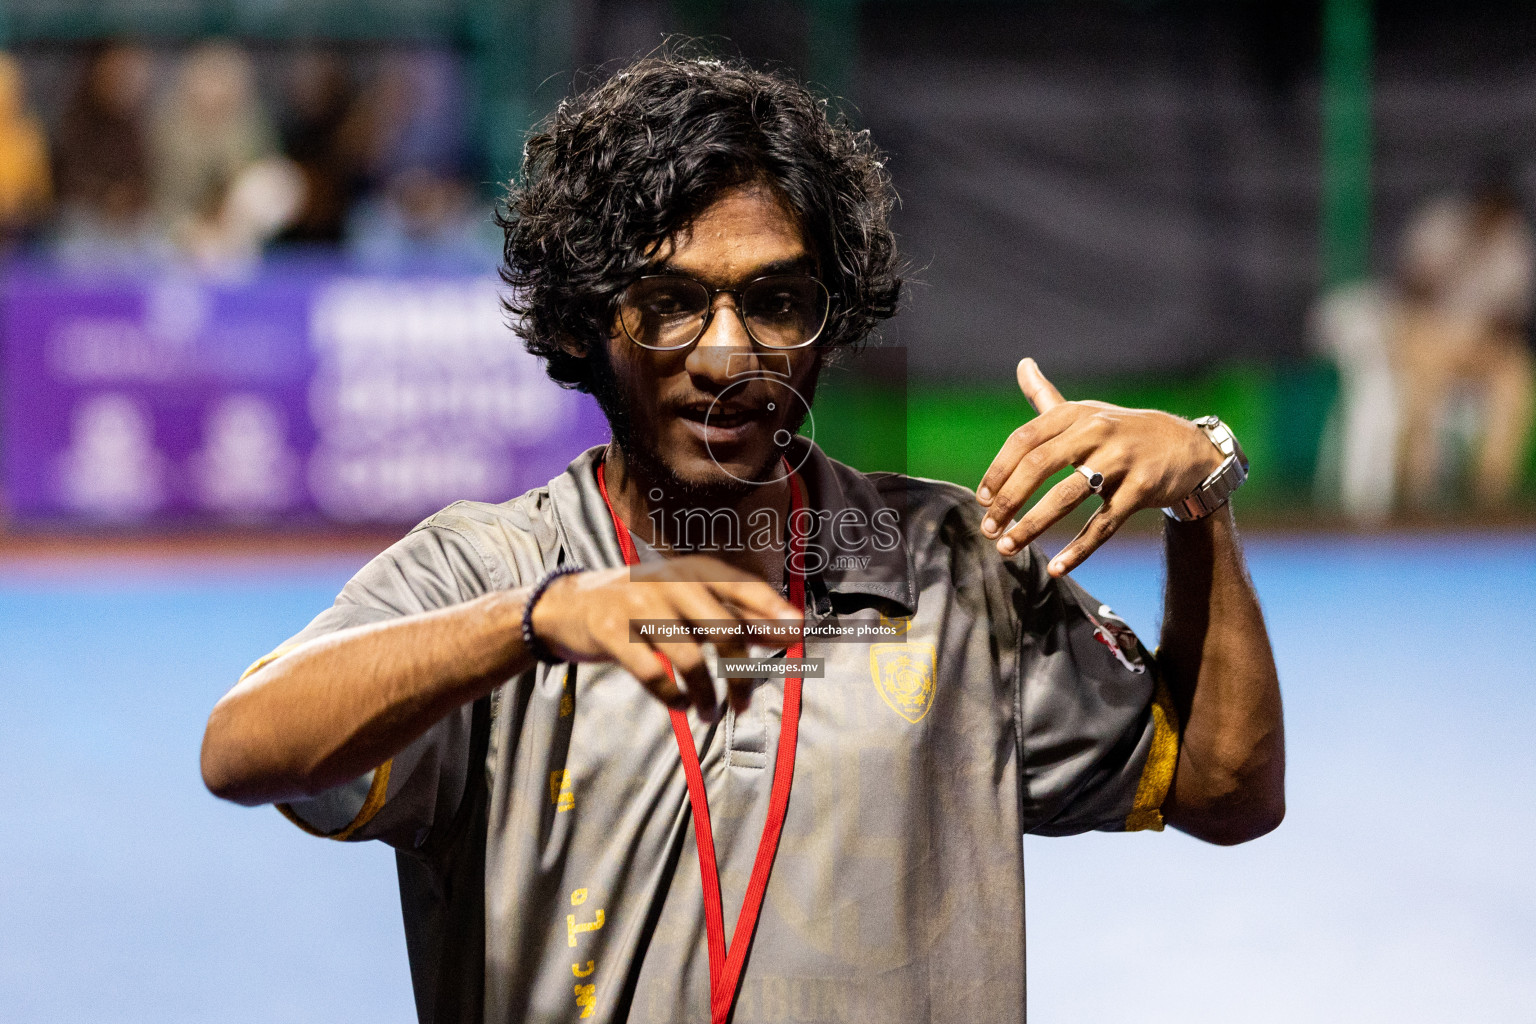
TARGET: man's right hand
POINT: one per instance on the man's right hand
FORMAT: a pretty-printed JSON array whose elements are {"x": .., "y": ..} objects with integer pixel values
[
  {"x": 586, "y": 617},
  {"x": 336, "y": 706}
]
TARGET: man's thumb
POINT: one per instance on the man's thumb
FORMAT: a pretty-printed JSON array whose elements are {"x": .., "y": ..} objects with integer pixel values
[{"x": 1042, "y": 394}]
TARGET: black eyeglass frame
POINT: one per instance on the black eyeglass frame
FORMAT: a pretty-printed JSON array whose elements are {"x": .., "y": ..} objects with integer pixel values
[{"x": 709, "y": 311}]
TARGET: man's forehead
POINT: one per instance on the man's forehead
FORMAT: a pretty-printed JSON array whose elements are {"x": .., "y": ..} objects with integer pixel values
[{"x": 746, "y": 232}]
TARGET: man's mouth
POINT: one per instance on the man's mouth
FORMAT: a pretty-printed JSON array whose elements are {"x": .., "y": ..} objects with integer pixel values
[{"x": 719, "y": 423}]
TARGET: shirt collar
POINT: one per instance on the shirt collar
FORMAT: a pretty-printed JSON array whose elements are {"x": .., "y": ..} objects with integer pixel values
[{"x": 857, "y": 543}]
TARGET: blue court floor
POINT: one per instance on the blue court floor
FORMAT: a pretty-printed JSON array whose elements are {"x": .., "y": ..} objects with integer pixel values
[{"x": 1402, "y": 886}]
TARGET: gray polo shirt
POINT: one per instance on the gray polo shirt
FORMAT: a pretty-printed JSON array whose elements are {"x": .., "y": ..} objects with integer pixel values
[{"x": 546, "y": 850}]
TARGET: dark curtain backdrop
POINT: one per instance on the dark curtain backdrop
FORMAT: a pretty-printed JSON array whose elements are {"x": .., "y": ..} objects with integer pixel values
[
  {"x": 1103, "y": 189},
  {"x": 1119, "y": 187}
]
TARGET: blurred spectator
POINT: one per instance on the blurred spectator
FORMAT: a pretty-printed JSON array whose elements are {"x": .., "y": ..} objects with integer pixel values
[
  {"x": 25, "y": 182},
  {"x": 414, "y": 113},
  {"x": 101, "y": 159},
  {"x": 263, "y": 199},
  {"x": 422, "y": 211},
  {"x": 1467, "y": 279},
  {"x": 326, "y": 132},
  {"x": 1352, "y": 325},
  {"x": 424, "y": 217},
  {"x": 219, "y": 186}
]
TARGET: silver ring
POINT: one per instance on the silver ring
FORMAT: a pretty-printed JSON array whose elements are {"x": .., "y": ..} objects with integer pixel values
[{"x": 1094, "y": 477}]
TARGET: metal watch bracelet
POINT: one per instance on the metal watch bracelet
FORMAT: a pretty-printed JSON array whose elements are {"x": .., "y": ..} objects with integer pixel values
[{"x": 1215, "y": 490}]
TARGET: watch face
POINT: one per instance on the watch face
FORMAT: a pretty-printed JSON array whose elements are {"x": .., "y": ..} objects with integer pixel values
[
  {"x": 1228, "y": 477},
  {"x": 1220, "y": 434}
]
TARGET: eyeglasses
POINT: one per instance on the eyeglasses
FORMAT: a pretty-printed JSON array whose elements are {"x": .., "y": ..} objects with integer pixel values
[{"x": 667, "y": 312}]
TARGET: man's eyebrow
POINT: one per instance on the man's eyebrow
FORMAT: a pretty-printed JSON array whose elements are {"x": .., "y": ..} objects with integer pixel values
[{"x": 792, "y": 265}]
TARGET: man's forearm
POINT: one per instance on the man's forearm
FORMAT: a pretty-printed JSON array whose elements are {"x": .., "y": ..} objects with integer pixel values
[
  {"x": 336, "y": 707},
  {"x": 1215, "y": 656}
]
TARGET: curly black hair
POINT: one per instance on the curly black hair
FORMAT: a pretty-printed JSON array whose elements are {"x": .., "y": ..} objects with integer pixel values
[{"x": 616, "y": 171}]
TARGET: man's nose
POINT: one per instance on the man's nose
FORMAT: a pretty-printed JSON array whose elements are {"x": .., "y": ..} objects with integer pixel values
[{"x": 725, "y": 345}]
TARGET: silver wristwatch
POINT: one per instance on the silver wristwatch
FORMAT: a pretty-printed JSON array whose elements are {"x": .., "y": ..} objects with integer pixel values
[{"x": 1218, "y": 487}]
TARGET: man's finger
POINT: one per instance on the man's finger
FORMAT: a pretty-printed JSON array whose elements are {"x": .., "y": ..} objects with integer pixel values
[
  {"x": 733, "y": 647},
  {"x": 739, "y": 693},
  {"x": 652, "y": 669},
  {"x": 688, "y": 662},
  {"x": 699, "y": 606},
  {"x": 755, "y": 600},
  {"x": 1099, "y": 528},
  {"x": 1042, "y": 394},
  {"x": 1056, "y": 503},
  {"x": 1019, "y": 444},
  {"x": 1033, "y": 469}
]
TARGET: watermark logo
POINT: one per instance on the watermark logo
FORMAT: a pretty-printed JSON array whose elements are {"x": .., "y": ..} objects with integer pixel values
[
  {"x": 771, "y": 372},
  {"x": 861, "y": 411}
]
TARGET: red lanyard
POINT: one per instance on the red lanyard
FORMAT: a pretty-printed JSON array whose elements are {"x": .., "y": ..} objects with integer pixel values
[{"x": 725, "y": 970}]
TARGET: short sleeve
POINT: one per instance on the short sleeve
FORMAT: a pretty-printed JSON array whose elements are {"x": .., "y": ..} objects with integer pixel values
[
  {"x": 418, "y": 791},
  {"x": 1098, "y": 732}
]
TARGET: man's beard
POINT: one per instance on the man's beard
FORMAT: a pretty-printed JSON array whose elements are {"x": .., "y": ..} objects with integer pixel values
[{"x": 648, "y": 463}]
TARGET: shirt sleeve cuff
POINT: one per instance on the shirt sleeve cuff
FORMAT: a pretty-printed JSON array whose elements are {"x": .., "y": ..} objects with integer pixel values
[
  {"x": 265, "y": 660},
  {"x": 1157, "y": 774},
  {"x": 378, "y": 792}
]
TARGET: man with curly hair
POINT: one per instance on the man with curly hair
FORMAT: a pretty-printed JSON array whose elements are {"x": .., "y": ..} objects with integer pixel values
[{"x": 596, "y": 816}]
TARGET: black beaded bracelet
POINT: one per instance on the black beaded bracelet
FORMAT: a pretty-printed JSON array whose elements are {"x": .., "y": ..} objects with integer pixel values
[{"x": 533, "y": 643}]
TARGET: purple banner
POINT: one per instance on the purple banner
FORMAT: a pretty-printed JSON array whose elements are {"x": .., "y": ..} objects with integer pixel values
[{"x": 299, "y": 395}]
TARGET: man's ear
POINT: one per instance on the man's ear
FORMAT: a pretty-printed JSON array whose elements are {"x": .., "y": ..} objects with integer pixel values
[{"x": 571, "y": 347}]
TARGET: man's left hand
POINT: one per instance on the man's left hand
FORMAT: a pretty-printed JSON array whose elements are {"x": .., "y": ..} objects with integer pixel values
[{"x": 1148, "y": 459}]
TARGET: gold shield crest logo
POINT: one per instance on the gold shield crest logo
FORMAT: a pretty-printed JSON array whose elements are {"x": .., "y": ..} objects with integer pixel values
[{"x": 903, "y": 673}]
